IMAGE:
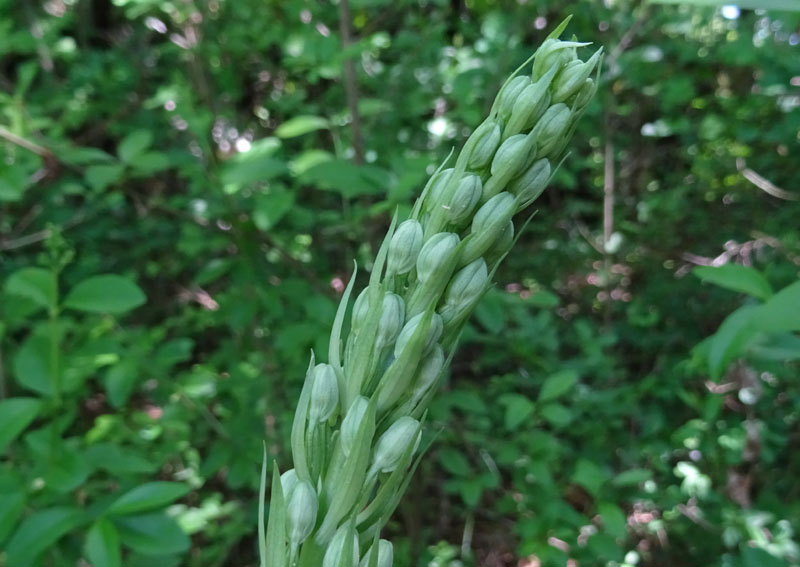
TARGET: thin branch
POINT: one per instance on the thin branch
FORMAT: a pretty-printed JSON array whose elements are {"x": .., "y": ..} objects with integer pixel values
[
  {"x": 350, "y": 84},
  {"x": 23, "y": 143},
  {"x": 764, "y": 184}
]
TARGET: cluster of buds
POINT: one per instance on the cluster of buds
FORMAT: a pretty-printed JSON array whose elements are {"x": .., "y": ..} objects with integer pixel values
[{"x": 358, "y": 422}]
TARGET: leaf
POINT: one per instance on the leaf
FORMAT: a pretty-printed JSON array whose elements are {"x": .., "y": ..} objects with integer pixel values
[
  {"x": 119, "y": 382},
  {"x": 273, "y": 552},
  {"x": 152, "y": 534},
  {"x": 15, "y": 415},
  {"x": 346, "y": 178},
  {"x": 518, "y": 409},
  {"x": 38, "y": 532},
  {"x": 99, "y": 177},
  {"x": 270, "y": 208},
  {"x": 32, "y": 364},
  {"x": 12, "y": 505},
  {"x": 614, "y": 520},
  {"x": 781, "y": 312},
  {"x": 556, "y": 414},
  {"x": 134, "y": 144},
  {"x": 736, "y": 278},
  {"x": 105, "y": 294},
  {"x": 67, "y": 472},
  {"x": 149, "y": 163},
  {"x": 781, "y": 5},
  {"x": 148, "y": 497},
  {"x": 34, "y": 283},
  {"x": 102, "y": 545},
  {"x": 118, "y": 461},
  {"x": 557, "y": 385},
  {"x": 632, "y": 477},
  {"x": 589, "y": 476},
  {"x": 247, "y": 170},
  {"x": 300, "y": 125},
  {"x": 732, "y": 338},
  {"x": 454, "y": 462}
]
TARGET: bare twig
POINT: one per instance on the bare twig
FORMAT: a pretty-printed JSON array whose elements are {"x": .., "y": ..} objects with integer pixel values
[
  {"x": 23, "y": 143},
  {"x": 608, "y": 192},
  {"x": 350, "y": 85},
  {"x": 763, "y": 183}
]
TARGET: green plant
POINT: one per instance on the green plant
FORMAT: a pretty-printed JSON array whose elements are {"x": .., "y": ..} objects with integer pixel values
[{"x": 359, "y": 417}]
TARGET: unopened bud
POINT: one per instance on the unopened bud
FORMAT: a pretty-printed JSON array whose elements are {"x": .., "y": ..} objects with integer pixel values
[
  {"x": 352, "y": 422},
  {"x": 288, "y": 483},
  {"x": 529, "y": 106},
  {"x": 334, "y": 555},
  {"x": 391, "y": 321},
  {"x": 532, "y": 183},
  {"x": 436, "y": 192},
  {"x": 404, "y": 247},
  {"x": 511, "y": 155},
  {"x": 301, "y": 513},
  {"x": 468, "y": 283},
  {"x": 385, "y": 555},
  {"x": 434, "y": 332},
  {"x": 585, "y": 94},
  {"x": 467, "y": 195},
  {"x": 324, "y": 394},
  {"x": 487, "y": 225},
  {"x": 429, "y": 372},
  {"x": 487, "y": 140},
  {"x": 572, "y": 78},
  {"x": 434, "y": 254},
  {"x": 360, "y": 310},
  {"x": 552, "y": 127},
  {"x": 501, "y": 246},
  {"x": 394, "y": 442},
  {"x": 508, "y": 96},
  {"x": 554, "y": 53}
]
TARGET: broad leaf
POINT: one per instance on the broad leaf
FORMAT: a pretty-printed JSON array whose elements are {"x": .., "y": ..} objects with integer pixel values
[
  {"x": 105, "y": 294},
  {"x": 38, "y": 532},
  {"x": 36, "y": 284},
  {"x": 148, "y": 497},
  {"x": 15, "y": 415},
  {"x": 300, "y": 125},
  {"x": 557, "y": 385},
  {"x": 737, "y": 278},
  {"x": 152, "y": 534},
  {"x": 102, "y": 544},
  {"x": 781, "y": 312}
]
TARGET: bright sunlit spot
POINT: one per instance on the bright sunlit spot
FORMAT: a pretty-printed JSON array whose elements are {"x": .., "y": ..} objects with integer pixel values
[
  {"x": 243, "y": 145},
  {"x": 730, "y": 12}
]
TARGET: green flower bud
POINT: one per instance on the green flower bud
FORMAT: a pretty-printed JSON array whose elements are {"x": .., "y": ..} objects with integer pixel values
[
  {"x": 554, "y": 53},
  {"x": 360, "y": 310},
  {"x": 385, "y": 555},
  {"x": 551, "y": 128},
  {"x": 434, "y": 332},
  {"x": 301, "y": 513},
  {"x": 434, "y": 255},
  {"x": 467, "y": 195},
  {"x": 468, "y": 283},
  {"x": 404, "y": 248},
  {"x": 529, "y": 106},
  {"x": 391, "y": 321},
  {"x": 324, "y": 394},
  {"x": 501, "y": 246},
  {"x": 351, "y": 423},
  {"x": 511, "y": 156},
  {"x": 532, "y": 183},
  {"x": 585, "y": 94},
  {"x": 572, "y": 78},
  {"x": 288, "y": 483},
  {"x": 487, "y": 138},
  {"x": 487, "y": 225},
  {"x": 508, "y": 96},
  {"x": 429, "y": 371},
  {"x": 436, "y": 191},
  {"x": 334, "y": 555},
  {"x": 393, "y": 443}
]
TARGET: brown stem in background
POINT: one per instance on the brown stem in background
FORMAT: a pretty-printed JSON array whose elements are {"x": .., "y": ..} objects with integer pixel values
[{"x": 350, "y": 85}]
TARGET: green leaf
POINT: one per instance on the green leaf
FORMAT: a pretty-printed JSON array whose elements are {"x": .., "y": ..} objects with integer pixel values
[
  {"x": 149, "y": 163},
  {"x": 614, "y": 519},
  {"x": 119, "y": 382},
  {"x": 250, "y": 170},
  {"x": 105, "y": 294},
  {"x": 152, "y": 534},
  {"x": 589, "y": 476},
  {"x": 270, "y": 208},
  {"x": 557, "y": 385},
  {"x": 32, "y": 364},
  {"x": 34, "y": 283},
  {"x": 518, "y": 409},
  {"x": 117, "y": 460},
  {"x": 15, "y": 415},
  {"x": 732, "y": 338},
  {"x": 736, "y": 278},
  {"x": 346, "y": 178},
  {"x": 38, "y": 532},
  {"x": 300, "y": 125},
  {"x": 454, "y": 462},
  {"x": 99, "y": 177},
  {"x": 102, "y": 545},
  {"x": 148, "y": 497},
  {"x": 781, "y": 312},
  {"x": 67, "y": 472},
  {"x": 12, "y": 505},
  {"x": 134, "y": 144},
  {"x": 273, "y": 553},
  {"x": 632, "y": 477},
  {"x": 556, "y": 414},
  {"x": 780, "y": 5}
]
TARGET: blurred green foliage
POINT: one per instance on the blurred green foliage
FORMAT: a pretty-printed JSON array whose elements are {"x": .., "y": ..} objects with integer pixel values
[{"x": 182, "y": 192}]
